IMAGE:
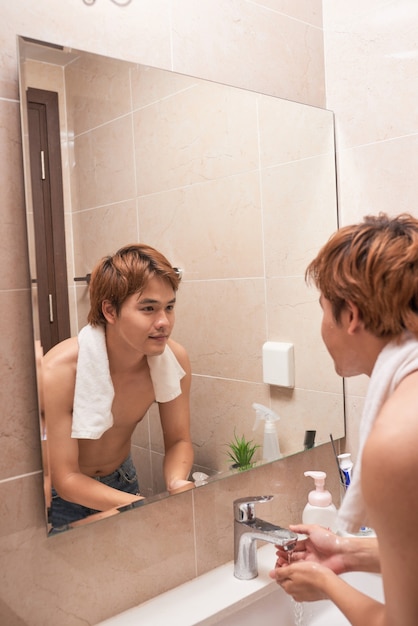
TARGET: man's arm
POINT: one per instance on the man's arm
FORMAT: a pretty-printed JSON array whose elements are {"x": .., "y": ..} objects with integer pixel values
[
  {"x": 175, "y": 422},
  {"x": 389, "y": 471}
]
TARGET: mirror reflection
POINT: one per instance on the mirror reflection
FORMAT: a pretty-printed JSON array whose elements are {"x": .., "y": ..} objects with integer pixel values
[{"x": 235, "y": 188}]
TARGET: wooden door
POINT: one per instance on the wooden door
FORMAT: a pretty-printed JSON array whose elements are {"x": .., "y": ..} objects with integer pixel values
[{"x": 48, "y": 216}]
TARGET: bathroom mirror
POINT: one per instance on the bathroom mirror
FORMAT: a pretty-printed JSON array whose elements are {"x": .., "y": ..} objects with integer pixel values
[{"x": 236, "y": 188}]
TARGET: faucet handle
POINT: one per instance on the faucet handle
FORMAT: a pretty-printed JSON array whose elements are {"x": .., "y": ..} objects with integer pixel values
[{"x": 244, "y": 508}]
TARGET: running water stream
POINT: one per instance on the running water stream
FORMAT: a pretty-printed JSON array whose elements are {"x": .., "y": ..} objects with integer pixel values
[
  {"x": 297, "y": 606},
  {"x": 298, "y": 612}
]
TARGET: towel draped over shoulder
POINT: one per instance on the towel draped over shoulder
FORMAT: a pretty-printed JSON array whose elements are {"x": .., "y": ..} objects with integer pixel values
[
  {"x": 397, "y": 360},
  {"x": 94, "y": 392}
]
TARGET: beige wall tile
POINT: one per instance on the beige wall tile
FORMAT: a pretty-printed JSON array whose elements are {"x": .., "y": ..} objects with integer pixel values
[
  {"x": 72, "y": 303},
  {"x": 354, "y": 408},
  {"x": 301, "y": 410},
  {"x": 384, "y": 175},
  {"x": 104, "y": 165},
  {"x": 82, "y": 305},
  {"x": 293, "y": 194},
  {"x": 20, "y": 415},
  {"x": 226, "y": 406},
  {"x": 211, "y": 47},
  {"x": 203, "y": 133},
  {"x": 101, "y": 231},
  {"x": 294, "y": 315},
  {"x": 97, "y": 91},
  {"x": 13, "y": 259},
  {"x": 357, "y": 385},
  {"x": 232, "y": 347},
  {"x": 142, "y": 459},
  {"x": 289, "y": 132},
  {"x": 108, "y": 574},
  {"x": 44, "y": 76},
  {"x": 24, "y": 498},
  {"x": 220, "y": 409},
  {"x": 371, "y": 70},
  {"x": 306, "y": 10},
  {"x": 150, "y": 85},
  {"x": 211, "y": 230}
]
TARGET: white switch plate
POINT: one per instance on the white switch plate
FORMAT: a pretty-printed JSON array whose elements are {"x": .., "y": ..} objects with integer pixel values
[{"x": 279, "y": 364}]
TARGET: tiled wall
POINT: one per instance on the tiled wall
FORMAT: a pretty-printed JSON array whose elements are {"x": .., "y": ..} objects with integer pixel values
[
  {"x": 371, "y": 84},
  {"x": 90, "y": 573},
  {"x": 371, "y": 65}
]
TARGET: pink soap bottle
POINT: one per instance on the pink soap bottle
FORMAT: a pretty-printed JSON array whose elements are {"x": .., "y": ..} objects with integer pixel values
[{"x": 320, "y": 508}]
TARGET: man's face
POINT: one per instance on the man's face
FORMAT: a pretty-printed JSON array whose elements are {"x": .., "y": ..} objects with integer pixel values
[{"x": 146, "y": 320}]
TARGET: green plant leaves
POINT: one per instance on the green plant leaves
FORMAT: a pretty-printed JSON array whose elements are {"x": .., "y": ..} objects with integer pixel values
[{"x": 241, "y": 451}]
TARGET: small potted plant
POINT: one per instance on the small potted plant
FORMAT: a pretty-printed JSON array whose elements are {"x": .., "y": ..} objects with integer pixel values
[{"x": 241, "y": 452}]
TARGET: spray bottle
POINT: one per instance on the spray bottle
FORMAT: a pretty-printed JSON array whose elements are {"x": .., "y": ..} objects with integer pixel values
[
  {"x": 271, "y": 449},
  {"x": 320, "y": 508}
]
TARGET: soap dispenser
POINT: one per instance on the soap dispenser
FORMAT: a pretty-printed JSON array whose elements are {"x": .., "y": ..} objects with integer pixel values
[
  {"x": 271, "y": 449},
  {"x": 320, "y": 508}
]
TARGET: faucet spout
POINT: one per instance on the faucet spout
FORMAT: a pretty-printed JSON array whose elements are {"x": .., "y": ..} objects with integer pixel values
[{"x": 249, "y": 529}]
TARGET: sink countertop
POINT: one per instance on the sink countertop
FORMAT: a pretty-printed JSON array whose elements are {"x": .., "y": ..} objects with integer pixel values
[{"x": 202, "y": 600}]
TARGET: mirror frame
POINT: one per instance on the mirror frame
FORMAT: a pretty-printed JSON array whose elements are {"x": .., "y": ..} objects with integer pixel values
[{"x": 277, "y": 397}]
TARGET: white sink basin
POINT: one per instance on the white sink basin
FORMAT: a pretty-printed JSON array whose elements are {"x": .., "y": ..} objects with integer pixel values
[
  {"x": 277, "y": 608},
  {"x": 219, "y": 598}
]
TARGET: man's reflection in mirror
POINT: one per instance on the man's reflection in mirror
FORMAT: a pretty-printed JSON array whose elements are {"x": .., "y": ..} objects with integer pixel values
[{"x": 99, "y": 385}]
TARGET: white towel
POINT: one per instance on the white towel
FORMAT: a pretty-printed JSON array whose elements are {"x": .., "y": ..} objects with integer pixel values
[
  {"x": 395, "y": 361},
  {"x": 94, "y": 392}
]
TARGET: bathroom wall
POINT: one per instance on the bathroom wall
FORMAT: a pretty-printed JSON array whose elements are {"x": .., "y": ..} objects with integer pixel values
[
  {"x": 371, "y": 84},
  {"x": 211, "y": 176},
  {"x": 371, "y": 66},
  {"x": 91, "y": 573}
]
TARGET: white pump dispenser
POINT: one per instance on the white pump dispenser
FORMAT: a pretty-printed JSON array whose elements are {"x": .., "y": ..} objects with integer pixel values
[
  {"x": 271, "y": 449},
  {"x": 320, "y": 508}
]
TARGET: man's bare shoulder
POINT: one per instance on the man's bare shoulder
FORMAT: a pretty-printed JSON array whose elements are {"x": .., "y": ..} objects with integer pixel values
[
  {"x": 391, "y": 447},
  {"x": 62, "y": 356},
  {"x": 400, "y": 411},
  {"x": 59, "y": 367}
]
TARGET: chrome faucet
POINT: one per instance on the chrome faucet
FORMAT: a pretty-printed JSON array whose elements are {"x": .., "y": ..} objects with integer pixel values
[{"x": 248, "y": 529}]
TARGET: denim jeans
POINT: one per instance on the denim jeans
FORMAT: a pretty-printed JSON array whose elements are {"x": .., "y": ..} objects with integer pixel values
[{"x": 63, "y": 512}]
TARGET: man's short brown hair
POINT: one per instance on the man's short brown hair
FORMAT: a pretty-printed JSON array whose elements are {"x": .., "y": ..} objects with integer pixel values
[
  {"x": 118, "y": 276},
  {"x": 374, "y": 265}
]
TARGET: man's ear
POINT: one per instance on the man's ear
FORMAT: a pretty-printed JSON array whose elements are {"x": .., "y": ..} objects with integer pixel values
[
  {"x": 108, "y": 311},
  {"x": 355, "y": 320}
]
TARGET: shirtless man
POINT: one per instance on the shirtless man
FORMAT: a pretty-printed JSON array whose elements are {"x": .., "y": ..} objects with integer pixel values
[
  {"x": 367, "y": 275},
  {"x": 132, "y": 297}
]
